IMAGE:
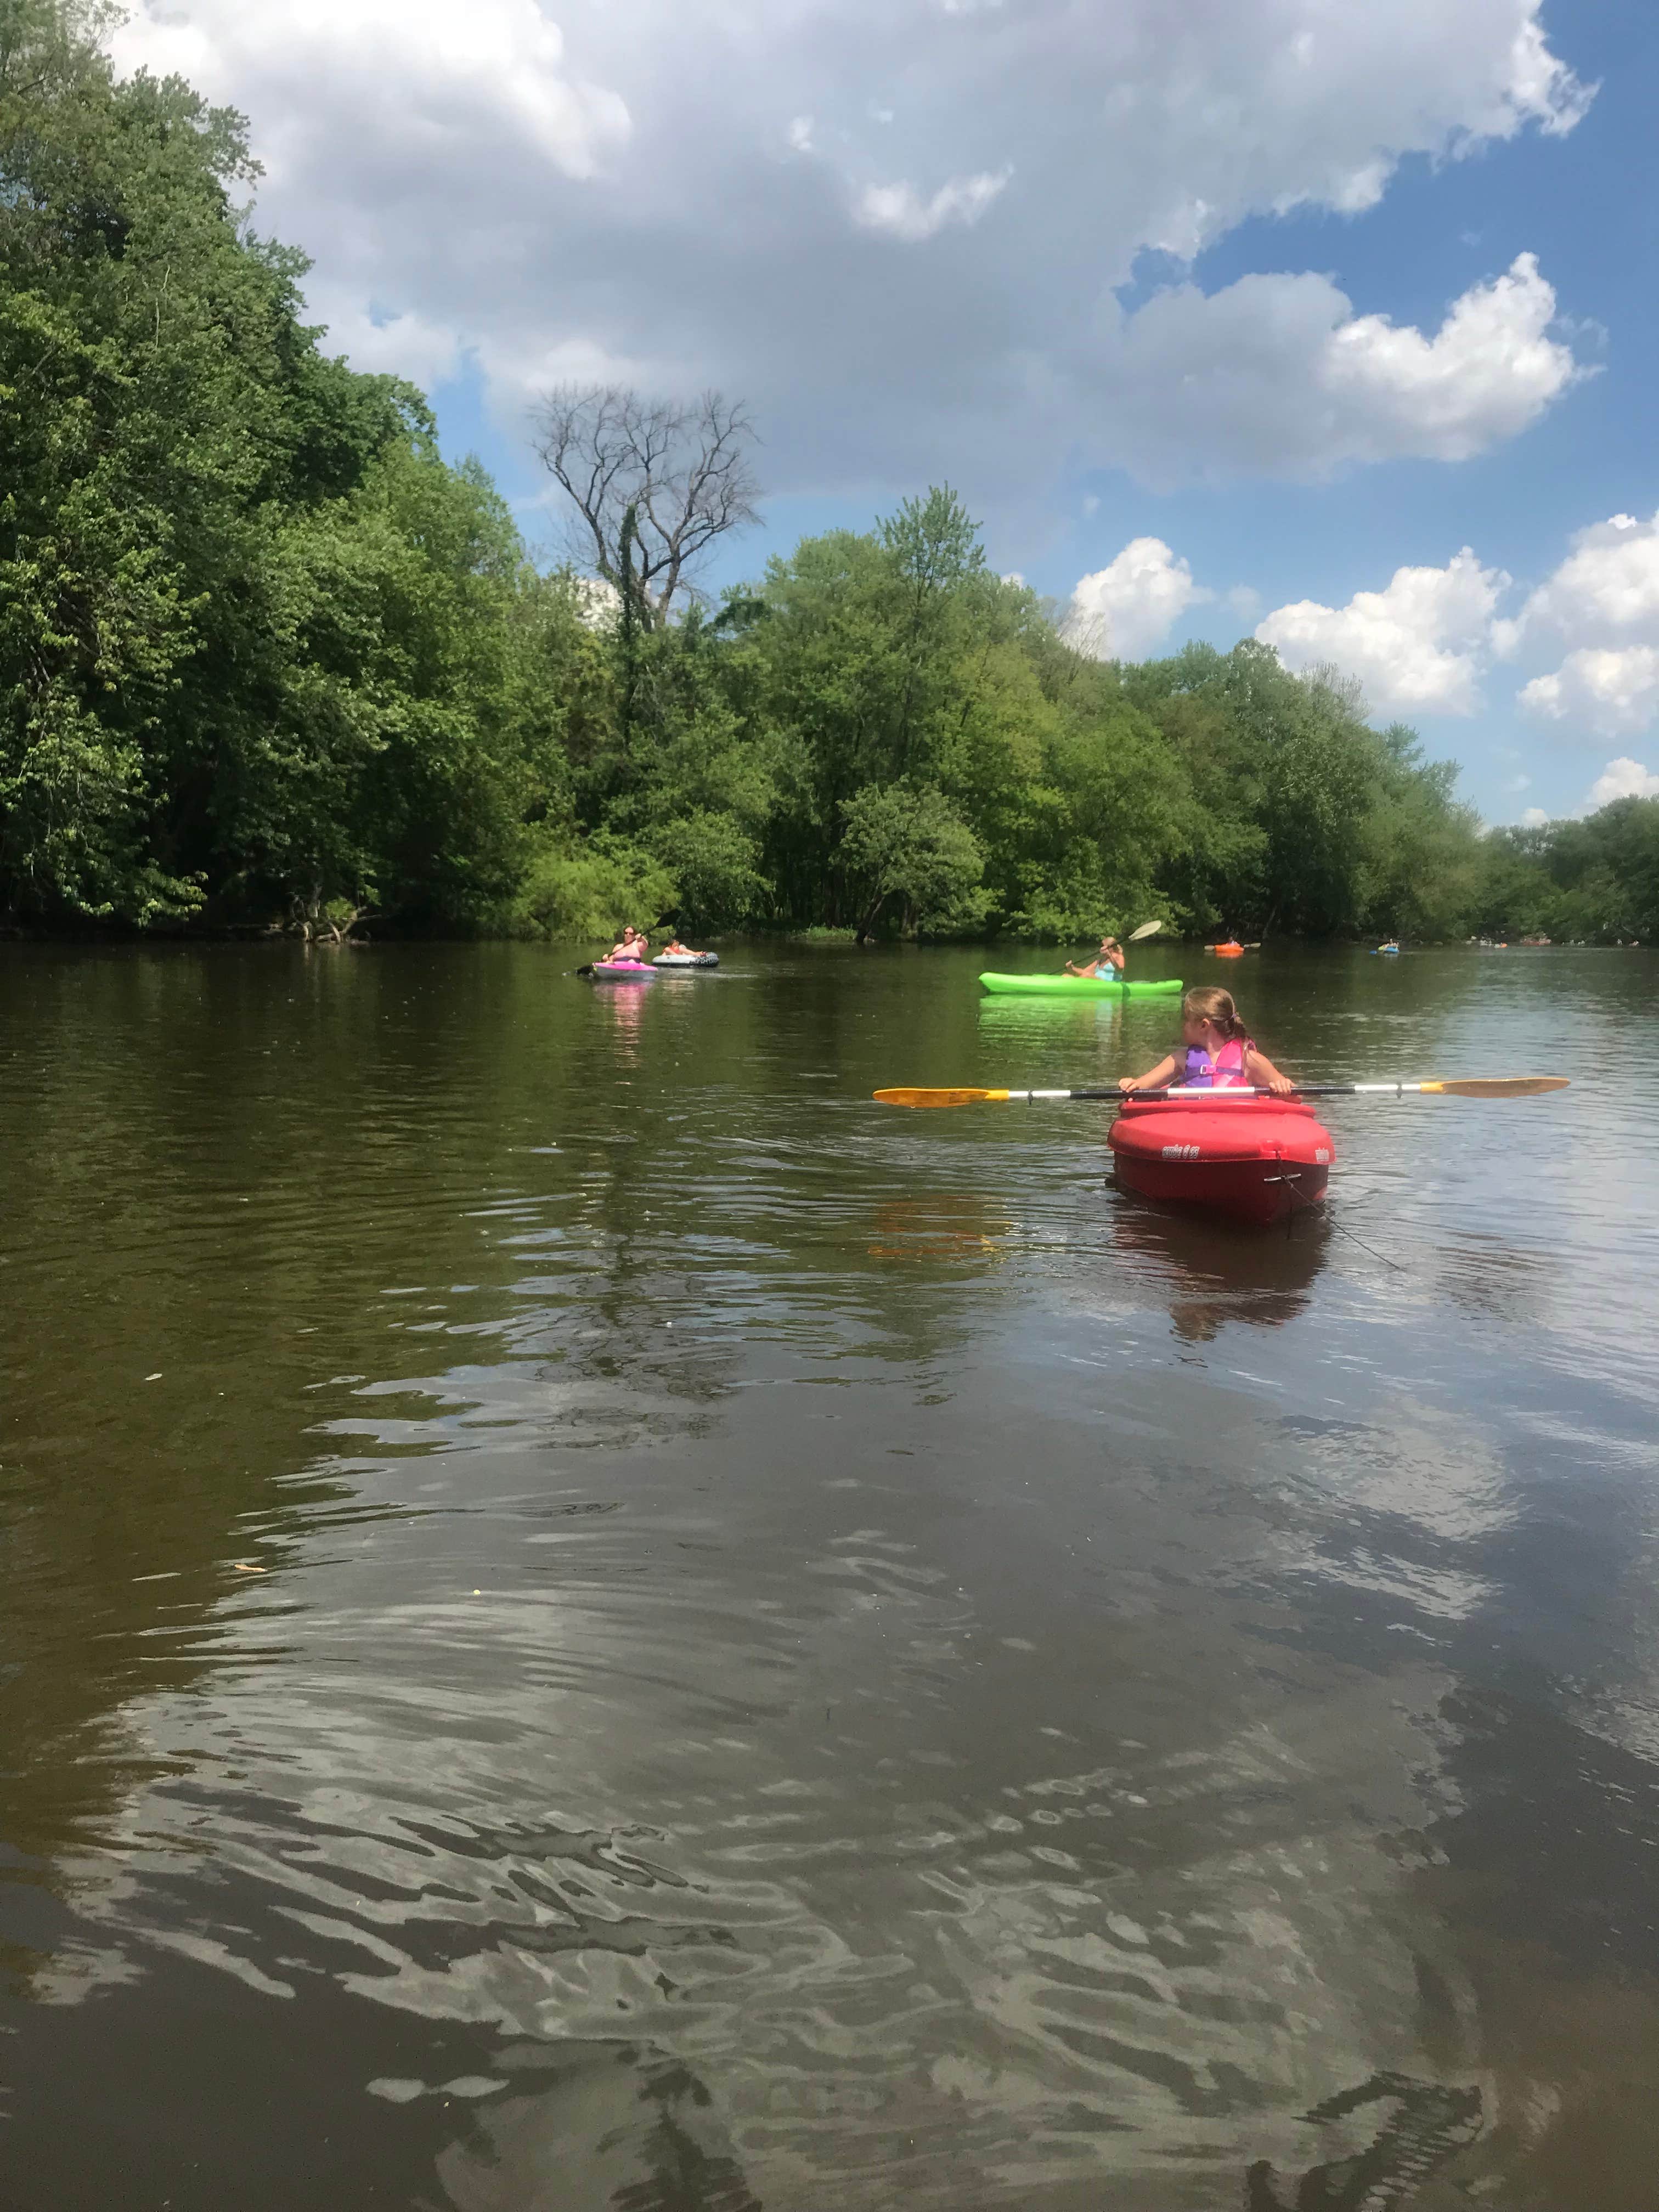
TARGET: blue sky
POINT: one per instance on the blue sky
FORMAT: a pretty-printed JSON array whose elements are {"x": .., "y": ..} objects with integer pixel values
[{"x": 1221, "y": 318}]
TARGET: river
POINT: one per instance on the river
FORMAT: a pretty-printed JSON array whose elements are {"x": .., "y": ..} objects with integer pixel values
[{"x": 593, "y": 1620}]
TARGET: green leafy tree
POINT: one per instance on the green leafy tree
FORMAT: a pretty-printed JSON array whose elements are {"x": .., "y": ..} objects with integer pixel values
[
  {"x": 905, "y": 843},
  {"x": 265, "y": 656}
]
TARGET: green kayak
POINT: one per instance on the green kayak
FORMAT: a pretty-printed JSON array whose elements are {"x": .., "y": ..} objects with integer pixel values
[{"x": 1077, "y": 986}]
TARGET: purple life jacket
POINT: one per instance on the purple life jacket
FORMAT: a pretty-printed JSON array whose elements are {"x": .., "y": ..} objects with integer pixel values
[{"x": 1223, "y": 1070}]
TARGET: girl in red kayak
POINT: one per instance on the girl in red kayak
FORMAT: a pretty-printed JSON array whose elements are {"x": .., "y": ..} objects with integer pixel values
[{"x": 1214, "y": 1052}]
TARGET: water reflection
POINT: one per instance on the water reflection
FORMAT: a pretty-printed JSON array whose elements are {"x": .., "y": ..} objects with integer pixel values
[
  {"x": 1021, "y": 1022},
  {"x": 590, "y": 2127},
  {"x": 623, "y": 1011},
  {"x": 1488, "y": 1275},
  {"x": 1422, "y": 2125},
  {"x": 947, "y": 1227},
  {"x": 1213, "y": 1272},
  {"x": 791, "y": 1671}
]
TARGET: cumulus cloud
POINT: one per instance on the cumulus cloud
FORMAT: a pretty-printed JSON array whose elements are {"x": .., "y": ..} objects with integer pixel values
[
  {"x": 1602, "y": 604},
  {"x": 1123, "y": 609},
  {"x": 1623, "y": 778},
  {"x": 1608, "y": 689},
  {"x": 1420, "y": 645},
  {"x": 1277, "y": 375},
  {"x": 418, "y": 77},
  {"x": 705, "y": 191},
  {"x": 1609, "y": 582},
  {"x": 900, "y": 210}
]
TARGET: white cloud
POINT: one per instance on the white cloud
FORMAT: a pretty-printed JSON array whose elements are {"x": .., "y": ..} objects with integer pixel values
[
  {"x": 1123, "y": 609},
  {"x": 1418, "y": 646},
  {"x": 399, "y": 344},
  {"x": 1608, "y": 584},
  {"x": 1490, "y": 370},
  {"x": 901, "y": 211},
  {"x": 418, "y": 78},
  {"x": 1277, "y": 375},
  {"x": 1621, "y": 779},
  {"x": 624, "y": 185},
  {"x": 1602, "y": 603},
  {"x": 1608, "y": 689}
]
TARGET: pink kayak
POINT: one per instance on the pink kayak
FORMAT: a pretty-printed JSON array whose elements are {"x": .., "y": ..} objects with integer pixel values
[
  {"x": 623, "y": 971},
  {"x": 1257, "y": 1159}
]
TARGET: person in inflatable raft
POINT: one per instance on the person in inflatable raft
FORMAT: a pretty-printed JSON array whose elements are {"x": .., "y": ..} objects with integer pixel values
[{"x": 1214, "y": 1052}]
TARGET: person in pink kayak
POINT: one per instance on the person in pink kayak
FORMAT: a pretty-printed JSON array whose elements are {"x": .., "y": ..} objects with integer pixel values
[
  {"x": 631, "y": 947},
  {"x": 1214, "y": 1052}
]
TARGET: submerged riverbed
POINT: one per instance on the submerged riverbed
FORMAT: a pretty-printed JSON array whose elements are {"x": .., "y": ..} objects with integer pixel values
[{"x": 591, "y": 1620}]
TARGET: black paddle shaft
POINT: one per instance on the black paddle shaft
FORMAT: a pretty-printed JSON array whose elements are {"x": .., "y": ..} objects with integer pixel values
[{"x": 1176, "y": 1098}]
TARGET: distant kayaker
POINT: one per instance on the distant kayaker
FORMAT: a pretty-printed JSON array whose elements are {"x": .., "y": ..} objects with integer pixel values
[
  {"x": 631, "y": 946},
  {"x": 1214, "y": 1052},
  {"x": 1107, "y": 964}
]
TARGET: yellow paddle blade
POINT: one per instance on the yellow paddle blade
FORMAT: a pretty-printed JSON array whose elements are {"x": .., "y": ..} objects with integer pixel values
[
  {"x": 939, "y": 1097},
  {"x": 1499, "y": 1086}
]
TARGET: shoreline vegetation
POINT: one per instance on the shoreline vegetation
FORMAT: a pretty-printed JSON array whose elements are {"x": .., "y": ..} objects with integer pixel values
[{"x": 270, "y": 665}]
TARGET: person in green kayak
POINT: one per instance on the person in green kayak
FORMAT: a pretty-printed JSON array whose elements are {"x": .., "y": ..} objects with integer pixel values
[{"x": 1107, "y": 966}]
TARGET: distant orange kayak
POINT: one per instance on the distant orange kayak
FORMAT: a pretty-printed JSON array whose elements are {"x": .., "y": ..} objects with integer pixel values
[{"x": 1225, "y": 952}]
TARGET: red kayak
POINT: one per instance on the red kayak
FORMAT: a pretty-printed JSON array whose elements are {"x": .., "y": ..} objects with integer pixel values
[{"x": 1257, "y": 1159}]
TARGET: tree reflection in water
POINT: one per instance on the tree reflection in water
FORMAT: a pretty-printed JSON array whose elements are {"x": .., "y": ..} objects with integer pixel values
[{"x": 595, "y": 2125}]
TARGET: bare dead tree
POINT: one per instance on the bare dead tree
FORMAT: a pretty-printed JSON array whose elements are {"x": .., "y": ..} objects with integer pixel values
[{"x": 682, "y": 467}]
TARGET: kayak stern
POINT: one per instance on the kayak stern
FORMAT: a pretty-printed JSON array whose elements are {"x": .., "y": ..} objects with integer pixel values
[{"x": 1254, "y": 1160}]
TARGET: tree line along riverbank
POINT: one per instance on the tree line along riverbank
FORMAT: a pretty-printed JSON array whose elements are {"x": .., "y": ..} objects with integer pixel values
[{"x": 267, "y": 661}]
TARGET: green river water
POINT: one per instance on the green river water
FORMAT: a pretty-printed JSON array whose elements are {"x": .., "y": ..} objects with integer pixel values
[{"x": 805, "y": 1655}]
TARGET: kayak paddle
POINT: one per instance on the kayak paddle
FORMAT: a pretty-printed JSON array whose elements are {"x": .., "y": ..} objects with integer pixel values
[
  {"x": 1464, "y": 1086},
  {"x": 1146, "y": 929}
]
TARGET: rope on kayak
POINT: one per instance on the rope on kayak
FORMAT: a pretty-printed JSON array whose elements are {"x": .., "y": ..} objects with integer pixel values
[{"x": 1308, "y": 1205}]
